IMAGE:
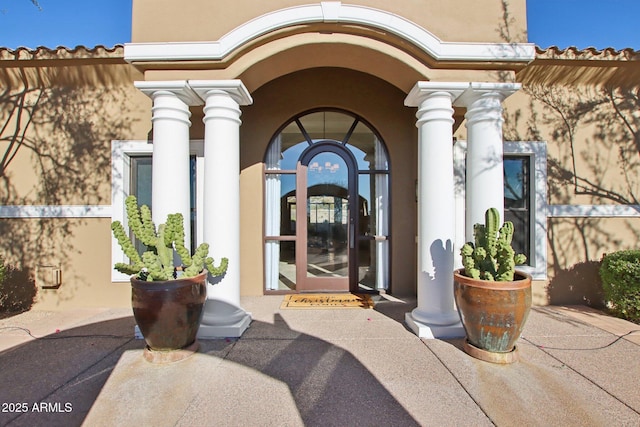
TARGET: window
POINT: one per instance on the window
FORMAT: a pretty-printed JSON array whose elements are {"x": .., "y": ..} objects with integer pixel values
[
  {"x": 517, "y": 197},
  {"x": 525, "y": 200},
  {"x": 525, "y": 168},
  {"x": 140, "y": 186},
  {"x": 131, "y": 174}
]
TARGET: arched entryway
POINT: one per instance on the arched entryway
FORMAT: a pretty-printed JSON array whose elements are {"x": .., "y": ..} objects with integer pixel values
[{"x": 326, "y": 205}]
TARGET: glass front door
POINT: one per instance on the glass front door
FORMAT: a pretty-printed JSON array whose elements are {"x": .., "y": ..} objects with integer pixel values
[{"x": 326, "y": 231}]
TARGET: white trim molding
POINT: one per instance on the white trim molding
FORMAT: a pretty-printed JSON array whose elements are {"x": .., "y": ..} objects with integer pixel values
[
  {"x": 55, "y": 211},
  {"x": 594, "y": 211},
  {"x": 329, "y": 12}
]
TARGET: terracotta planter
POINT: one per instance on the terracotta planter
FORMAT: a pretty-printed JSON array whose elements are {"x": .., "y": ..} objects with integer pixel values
[
  {"x": 493, "y": 313},
  {"x": 168, "y": 313}
]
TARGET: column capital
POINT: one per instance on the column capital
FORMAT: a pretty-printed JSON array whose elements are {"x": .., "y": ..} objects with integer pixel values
[
  {"x": 423, "y": 90},
  {"x": 177, "y": 88},
  {"x": 476, "y": 91},
  {"x": 234, "y": 88},
  {"x": 484, "y": 101}
]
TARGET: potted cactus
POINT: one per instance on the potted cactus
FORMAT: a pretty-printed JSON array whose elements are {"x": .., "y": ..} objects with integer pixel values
[
  {"x": 167, "y": 296},
  {"x": 493, "y": 299}
]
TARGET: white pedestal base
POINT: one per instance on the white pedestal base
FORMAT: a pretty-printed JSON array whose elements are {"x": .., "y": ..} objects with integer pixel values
[
  {"x": 222, "y": 319},
  {"x": 423, "y": 330},
  {"x": 234, "y": 330}
]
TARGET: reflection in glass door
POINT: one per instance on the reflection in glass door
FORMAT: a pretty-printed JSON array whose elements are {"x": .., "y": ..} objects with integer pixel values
[
  {"x": 327, "y": 216},
  {"x": 327, "y": 223}
]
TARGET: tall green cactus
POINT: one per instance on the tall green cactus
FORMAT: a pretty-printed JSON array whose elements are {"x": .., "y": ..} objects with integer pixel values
[
  {"x": 156, "y": 263},
  {"x": 491, "y": 256}
]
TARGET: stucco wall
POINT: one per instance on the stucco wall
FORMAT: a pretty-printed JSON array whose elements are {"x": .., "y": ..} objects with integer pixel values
[
  {"x": 57, "y": 123},
  {"x": 576, "y": 246},
  {"x": 80, "y": 248},
  {"x": 203, "y": 20},
  {"x": 593, "y": 166},
  {"x": 593, "y": 156}
]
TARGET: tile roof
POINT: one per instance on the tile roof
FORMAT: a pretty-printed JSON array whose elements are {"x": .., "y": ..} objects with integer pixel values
[
  {"x": 589, "y": 66},
  {"x": 590, "y": 53},
  {"x": 101, "y": 51},
  {"x": 61, "y": 52}
]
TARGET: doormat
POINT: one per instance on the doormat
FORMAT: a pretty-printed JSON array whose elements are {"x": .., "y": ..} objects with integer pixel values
[{"x": 322, "y": 301}]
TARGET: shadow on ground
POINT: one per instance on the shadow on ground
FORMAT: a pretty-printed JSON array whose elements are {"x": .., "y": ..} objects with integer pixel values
[
  {"x": 328, "y": 384},
  {"x": 67, "y": 371}
]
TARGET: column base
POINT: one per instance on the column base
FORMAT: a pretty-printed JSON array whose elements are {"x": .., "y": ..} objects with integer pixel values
[
  {"x": 222, "y": 319},
  {"x": 234, "y": 330},
  {"x": 423, "y": 330}
]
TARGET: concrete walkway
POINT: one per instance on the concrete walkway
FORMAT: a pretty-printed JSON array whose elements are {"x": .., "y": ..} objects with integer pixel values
[{"x": 318, "y": 368}]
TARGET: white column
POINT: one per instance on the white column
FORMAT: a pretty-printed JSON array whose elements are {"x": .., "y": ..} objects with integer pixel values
[
  {"x": 435, "y": 315},
  {"x": 485, "y": 170},
  {"x": 170, "y": 187},
  {"x": 223, "y": 316}
]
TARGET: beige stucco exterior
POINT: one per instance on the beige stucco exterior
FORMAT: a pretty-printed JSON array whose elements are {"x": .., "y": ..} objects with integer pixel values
[
  {"x": 63, "y": 113},
  {"x": 78, "y": 102},
  {"x": 59, "y": 117},
  {"x": 162, "y": 21}
]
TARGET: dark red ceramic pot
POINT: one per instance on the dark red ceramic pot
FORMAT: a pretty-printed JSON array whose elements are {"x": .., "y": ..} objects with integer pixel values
[
  {"x": 168, "y": 313},
  {"x": 493, "y": 313}
]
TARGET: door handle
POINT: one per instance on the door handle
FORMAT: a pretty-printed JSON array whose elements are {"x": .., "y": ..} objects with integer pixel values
[{"x": 352, "y": 236}]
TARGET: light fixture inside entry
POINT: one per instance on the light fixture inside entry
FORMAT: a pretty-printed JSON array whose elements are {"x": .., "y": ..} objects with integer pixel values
[{"x": 331, "y": 167}]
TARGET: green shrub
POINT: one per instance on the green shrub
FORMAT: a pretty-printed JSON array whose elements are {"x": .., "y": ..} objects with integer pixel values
[
  {"x": 17, "y": 290},
  {"x": 620, "y": 273}
]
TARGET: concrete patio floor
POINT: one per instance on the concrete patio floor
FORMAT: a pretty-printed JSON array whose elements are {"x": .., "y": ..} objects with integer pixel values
[{"x": 344, "y": 367}]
